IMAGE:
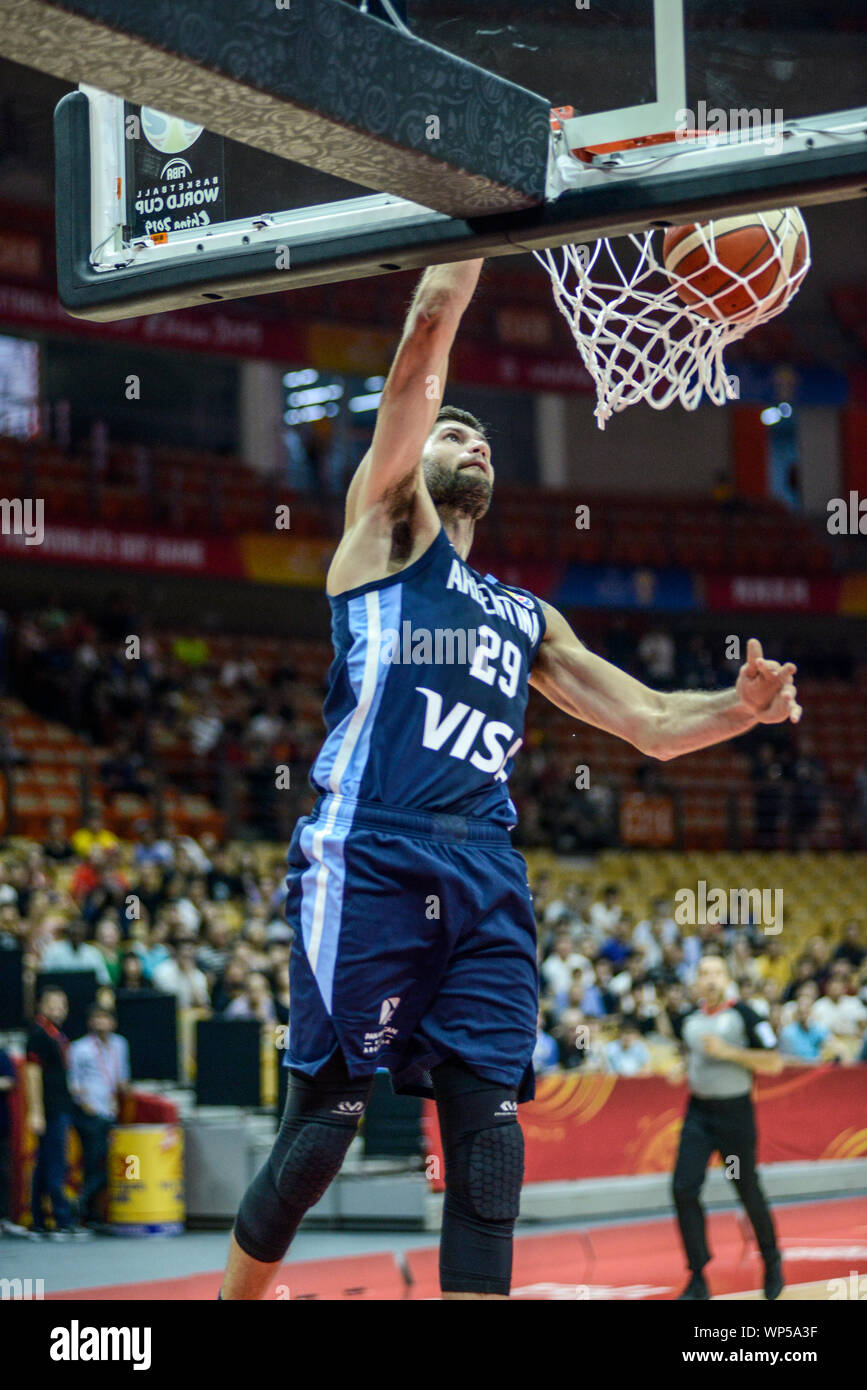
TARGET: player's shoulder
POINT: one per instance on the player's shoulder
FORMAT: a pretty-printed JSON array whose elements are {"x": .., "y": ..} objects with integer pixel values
[
  {"x": 525, "y": 597},
  {"x": 514, "y": 591}
]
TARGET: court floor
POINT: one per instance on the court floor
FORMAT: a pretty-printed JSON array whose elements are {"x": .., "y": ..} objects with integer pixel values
[{"x": 824, "y": 1247}]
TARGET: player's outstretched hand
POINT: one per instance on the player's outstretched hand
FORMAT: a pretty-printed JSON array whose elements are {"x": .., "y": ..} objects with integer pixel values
[{"x": 767, "y": 688}]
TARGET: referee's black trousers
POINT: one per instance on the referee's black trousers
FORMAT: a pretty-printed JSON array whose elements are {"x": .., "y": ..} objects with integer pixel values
[{"x": 727, "y": 1127}]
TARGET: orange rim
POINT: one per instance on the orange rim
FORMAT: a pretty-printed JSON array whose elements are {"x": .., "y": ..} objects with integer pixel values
[{"x": 588, "y": 153}]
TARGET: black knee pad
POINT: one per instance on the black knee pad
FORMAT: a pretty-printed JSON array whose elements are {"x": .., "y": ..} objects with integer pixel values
[
  {"x": 484, "y": 1153},
  {"x": 496, "y": 1171},
  {"x": 319, "y": 1123}
]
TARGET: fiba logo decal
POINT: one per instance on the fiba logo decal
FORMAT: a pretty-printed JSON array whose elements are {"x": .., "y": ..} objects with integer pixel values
[
  {"x": 169, "y": 134},
  {"x": 520, "y": 598},
  {"x": 386, "y": 1032},
  {"x": 176, "y": 169},
  {"x": 387, "y": 1009}
]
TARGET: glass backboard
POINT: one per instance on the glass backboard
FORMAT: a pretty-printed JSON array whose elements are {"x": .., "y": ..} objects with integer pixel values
[{"x": 174, "y": 215}]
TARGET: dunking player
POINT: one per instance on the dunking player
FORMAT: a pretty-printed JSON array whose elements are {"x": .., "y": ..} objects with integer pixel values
[{"x": 414, "y": 939}]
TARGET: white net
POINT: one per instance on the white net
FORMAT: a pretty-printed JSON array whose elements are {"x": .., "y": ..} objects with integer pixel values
[{"x": 640, "y": 340}]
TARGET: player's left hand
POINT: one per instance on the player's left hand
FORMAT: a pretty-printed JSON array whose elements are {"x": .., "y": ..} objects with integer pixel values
[
  {"x": 715, "y": 1047},
  {"x": 766, "y": 688}
]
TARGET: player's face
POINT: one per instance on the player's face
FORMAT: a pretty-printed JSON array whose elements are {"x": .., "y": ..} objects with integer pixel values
[{"x": 457, "y": 469}]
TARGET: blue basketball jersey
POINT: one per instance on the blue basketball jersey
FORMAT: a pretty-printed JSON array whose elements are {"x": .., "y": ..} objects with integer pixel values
[{"x": 428, "y": 689}]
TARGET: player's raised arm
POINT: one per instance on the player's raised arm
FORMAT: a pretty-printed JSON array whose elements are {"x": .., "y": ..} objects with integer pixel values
[
  {"x": 661, "y": 725},
  {"x": 413, "y": 391}
]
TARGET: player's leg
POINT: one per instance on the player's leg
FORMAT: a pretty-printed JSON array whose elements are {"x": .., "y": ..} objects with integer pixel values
[
  {"x": 697, "y": 1143},
  {"x": 739, "y": 1142},
  {"x": 484, "y": 1168},
  {"x": 482, "y": 1022},
  {"x": 319, "y": 1123},
  {"x": 363, "y": 965}
]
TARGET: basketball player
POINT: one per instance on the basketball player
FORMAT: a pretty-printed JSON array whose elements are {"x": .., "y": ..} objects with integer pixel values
[
  {"x": 414, "y": 939},
  {"x": 726, "y": 1043}
]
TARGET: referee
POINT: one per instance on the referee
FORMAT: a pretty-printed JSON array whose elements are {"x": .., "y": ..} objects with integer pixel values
[{"x": 725, "y": 1042}]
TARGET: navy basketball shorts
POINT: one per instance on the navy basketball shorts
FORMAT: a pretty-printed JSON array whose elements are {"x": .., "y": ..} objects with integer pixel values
[{"x": 415, "y": 941}]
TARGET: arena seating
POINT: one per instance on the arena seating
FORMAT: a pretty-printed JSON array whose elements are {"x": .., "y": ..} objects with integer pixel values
[
  {"x": 821, "y": 891},
  {"x": 197, "y": 493},
  {"x": 705, "y": 782}
]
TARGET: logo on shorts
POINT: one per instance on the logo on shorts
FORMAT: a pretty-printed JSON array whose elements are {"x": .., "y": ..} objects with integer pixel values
[
  {"x": 386, "y": 1032},
  {"x": 348, "y": 1107},
  {"x": 508, "y": 1107},
  {"x": 387, "y": 1008}
]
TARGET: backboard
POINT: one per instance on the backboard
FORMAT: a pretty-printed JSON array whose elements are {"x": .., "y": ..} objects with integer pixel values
[
  {"x": 157, "y": 213},
  {"x": 629, "y": 67}
]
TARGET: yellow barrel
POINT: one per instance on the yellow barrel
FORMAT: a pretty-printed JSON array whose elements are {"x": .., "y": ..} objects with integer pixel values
[{"x": 146, "y": 1180}]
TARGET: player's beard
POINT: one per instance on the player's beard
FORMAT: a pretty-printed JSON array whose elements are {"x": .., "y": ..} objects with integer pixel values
[{"x": 460, "y": 491}]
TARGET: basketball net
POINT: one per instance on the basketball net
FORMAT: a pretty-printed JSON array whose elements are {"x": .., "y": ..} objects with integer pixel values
[{"x": 637, "y": 338}]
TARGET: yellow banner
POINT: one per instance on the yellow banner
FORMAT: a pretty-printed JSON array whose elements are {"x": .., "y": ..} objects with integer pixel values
[
  {"x": 853, "y": 594},
  {"x": 281, "y": 560},
  {"x": 357, "y": 351}
]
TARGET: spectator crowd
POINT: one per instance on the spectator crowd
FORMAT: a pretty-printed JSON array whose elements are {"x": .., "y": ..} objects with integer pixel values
[
  {"x": 218, "y": 719},
  {"x": 143, "y": 697},
  {"x": 614, "y": 991},
  {"x": 204, "y": 922}
]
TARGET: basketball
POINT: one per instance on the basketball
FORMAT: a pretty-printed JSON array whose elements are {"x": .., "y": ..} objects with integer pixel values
[{"x": 733, "y": 266}]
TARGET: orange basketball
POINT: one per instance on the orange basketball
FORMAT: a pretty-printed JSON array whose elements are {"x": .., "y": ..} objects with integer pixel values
[{"x": 768, "y": 251}]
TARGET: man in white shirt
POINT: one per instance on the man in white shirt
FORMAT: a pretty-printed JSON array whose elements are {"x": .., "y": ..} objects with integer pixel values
[
  {"x": 628, "y": 1055},
  {"x": 558, "y": 968},
  {"x": 571, "y": 910},
  {"x": 98, "y": 1076},
  {"x": 605, "y": 914},
  {"x": 194, "y": 852},
  {"x": 180, "y": 976},
  {"x": 655, "y": 932},
  {"x": 841, "y": 1013},
  {"x": 73, "y": 952},
  {"x": 240, "y": 669},
  {"x": 657, "y": 655},
  {"x": 205, "y": 729}
]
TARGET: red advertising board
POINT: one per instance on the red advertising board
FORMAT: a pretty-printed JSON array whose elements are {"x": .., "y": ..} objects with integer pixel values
[
  {"x": 770, "y": 593},
  {"x": 141, "y": 550},
  {"x": 593, "y": 1125}
]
